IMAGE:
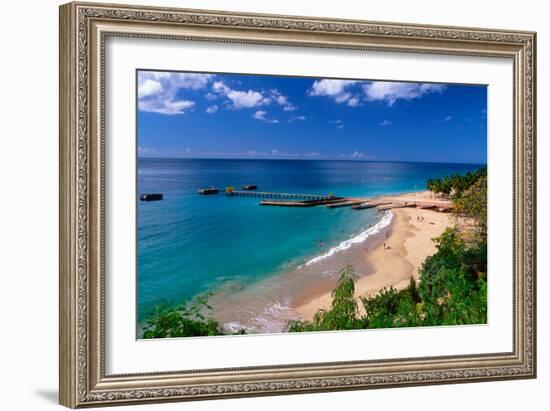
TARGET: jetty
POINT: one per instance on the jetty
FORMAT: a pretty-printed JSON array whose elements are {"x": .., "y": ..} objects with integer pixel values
[
  {"x": 346, "y": 203},
  {"x": 151, "y": 197},
  {"x": 303, "y": 203},
  {"x": 282, "y": 196},
  {"x": 396, "y": 205},
  {"x": 370, "y": 204},
  {"x": 388, "y": 203}
]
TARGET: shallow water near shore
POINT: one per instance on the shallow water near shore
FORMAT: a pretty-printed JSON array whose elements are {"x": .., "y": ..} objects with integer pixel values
[
  {"x": 268, "y": 305},
  {"x": 257, "y": 259}
]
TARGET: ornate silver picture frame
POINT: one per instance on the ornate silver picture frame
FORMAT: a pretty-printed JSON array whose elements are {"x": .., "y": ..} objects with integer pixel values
[{"x": 84, "y": 30}]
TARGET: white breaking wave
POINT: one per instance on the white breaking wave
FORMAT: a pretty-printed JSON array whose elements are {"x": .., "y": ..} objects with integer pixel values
[
  {"x": 270, "y": 319},
  {"x": 359, "y": 238},
  {"x": 234, "y": 327}
]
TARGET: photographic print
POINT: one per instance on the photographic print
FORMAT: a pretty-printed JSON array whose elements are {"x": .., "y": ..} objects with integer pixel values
[{"x": 274, "y": 204}]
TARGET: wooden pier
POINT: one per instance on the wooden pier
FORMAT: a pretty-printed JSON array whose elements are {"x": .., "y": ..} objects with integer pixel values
[
  {"x": 282, "y": 196},
  {"x": 388, "y": 203},
  {"x": 370, "y": 204},
  {"x": 303, "y": 203},
  {"x": 348, "y": 202},
  {"x": 396, "y": 205}
]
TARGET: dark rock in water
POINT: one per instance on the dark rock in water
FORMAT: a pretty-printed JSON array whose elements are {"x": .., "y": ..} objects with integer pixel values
[{"x": 151, "y": 197}]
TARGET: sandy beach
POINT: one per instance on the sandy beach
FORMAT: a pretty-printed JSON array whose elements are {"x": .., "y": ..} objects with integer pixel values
[{"x": 408, "y": 243}]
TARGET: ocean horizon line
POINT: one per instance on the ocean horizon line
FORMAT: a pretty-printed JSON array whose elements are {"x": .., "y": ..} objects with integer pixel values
[{"x": 349, "y": 160}]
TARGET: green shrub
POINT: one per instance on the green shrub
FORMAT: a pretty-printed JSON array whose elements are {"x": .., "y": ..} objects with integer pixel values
[
  {"x": 455, "y": 184},
  {"x": 343, "y": 313},
  {"x": 473, "y": 204},
  {"x": 185, "y": 320},
  {"x": 391, "y": 308}
]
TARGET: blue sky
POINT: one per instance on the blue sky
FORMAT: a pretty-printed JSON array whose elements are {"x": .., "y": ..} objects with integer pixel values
[{"x": 199, "y": 115}]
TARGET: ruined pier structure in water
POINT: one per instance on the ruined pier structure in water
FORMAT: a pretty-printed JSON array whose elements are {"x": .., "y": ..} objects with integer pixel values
[
  {"x": 288, "y": 199},
  {"x": 286, "y": 196}
]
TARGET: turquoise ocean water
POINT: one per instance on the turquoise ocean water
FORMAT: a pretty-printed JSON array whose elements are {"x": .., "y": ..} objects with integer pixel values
[{"x": 188, "y": 244}]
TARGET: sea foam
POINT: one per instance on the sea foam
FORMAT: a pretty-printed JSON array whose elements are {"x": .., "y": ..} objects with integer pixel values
[{"x": 359, "y": 238}]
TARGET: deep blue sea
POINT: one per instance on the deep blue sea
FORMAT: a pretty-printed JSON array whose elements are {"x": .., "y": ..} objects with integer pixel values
[{"x": 188, "y": 244}]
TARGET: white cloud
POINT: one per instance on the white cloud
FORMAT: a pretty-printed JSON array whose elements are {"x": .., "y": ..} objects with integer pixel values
[
  {"x": 329, "y": 87},
  {"x": 246, "y": 99},
  {"x": 275, "y": 152},
  {"x": 391, "y": 92},
  {"x": 448, "y": 118},
  {"x": 260, "y": 115},
  {"x": 357, "y": 155},
  {"x": 342, "y": 98},
  {"x": 240, "y": 99},
  {"x": 338, "y": 90},
  {"x": 296, "y": 118},
  {"x": 148, "y": 87},
  {"x": 386, "y": 123},
  {"x": 282, "y": 100},
  {"x": 212, "y": 109},
  {"x": 339, "y": 124},
  {"x": 220, "y": 87},
  {"x": 173, "y": 81},
  {"x": 354, "y": 101},
  {"x": 158, "y": 91},
  {"x": 145, "y": 151},
  {"x": 165, "y": 106}
]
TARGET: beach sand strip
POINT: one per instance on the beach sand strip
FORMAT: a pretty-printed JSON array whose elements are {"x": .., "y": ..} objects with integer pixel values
[{"x": 408, "y": 243}]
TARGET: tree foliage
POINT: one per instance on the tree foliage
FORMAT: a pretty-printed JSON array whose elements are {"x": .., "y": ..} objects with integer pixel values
[
  {"x": 473, "y": 204},
  {"x": 453, "y": 285},
  {"x": 188, "y": 319},
  {"x": 455, "y": 184},
  {"x": 343, "y": 313}
]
